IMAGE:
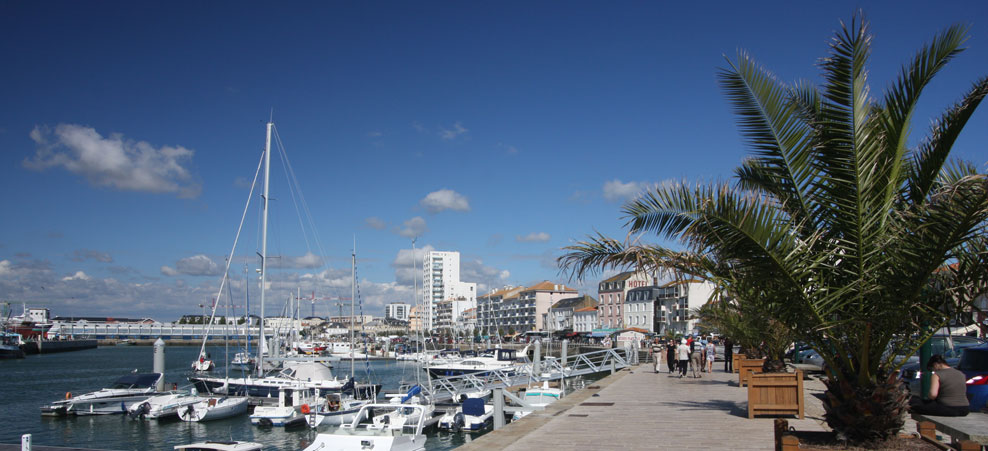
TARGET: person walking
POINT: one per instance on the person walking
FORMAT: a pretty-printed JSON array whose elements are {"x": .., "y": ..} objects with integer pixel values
[
  {"x": 711, "y": 356},
  {"x": 683, "y": 354},
  {"x": 695, "y": 359},
  {"x": 728, "y": 355},
  {"x": 656, "y": 351},
  {"x": 703, "y": 353},
  {"x": 671, "y": 355}
]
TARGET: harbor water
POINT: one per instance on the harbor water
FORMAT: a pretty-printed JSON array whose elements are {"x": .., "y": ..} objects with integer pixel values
[{"x": 27, "y": 384}]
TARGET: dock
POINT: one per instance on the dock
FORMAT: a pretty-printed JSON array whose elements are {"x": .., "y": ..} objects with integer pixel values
[
  {"x": 4, "y": 447},
  {"x": 51, "y": 347},
  {"x": 636, "y": 408}
]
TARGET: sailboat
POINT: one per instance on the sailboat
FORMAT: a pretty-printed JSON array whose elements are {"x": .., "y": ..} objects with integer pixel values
[
  {"x": 341, "y": 408},
  {"x": 312, "y": 375}
]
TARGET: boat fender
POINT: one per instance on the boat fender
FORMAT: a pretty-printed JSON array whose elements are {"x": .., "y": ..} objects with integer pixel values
[
  {"x": 305, "y": 409},
  {"x": 68, "y": 395}
]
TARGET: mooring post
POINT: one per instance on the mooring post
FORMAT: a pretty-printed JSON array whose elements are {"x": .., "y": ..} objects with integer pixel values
[
  {"x": 564, "y": 352},
  {"x": 26, "y": 442},
  {"x": 537, "y": 360},
  {"x": 498, "y": 408},
  {"x": 159, "y": 362}
]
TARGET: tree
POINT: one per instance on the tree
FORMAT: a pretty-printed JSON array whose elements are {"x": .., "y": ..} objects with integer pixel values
[{"x": 835, "y": 227}]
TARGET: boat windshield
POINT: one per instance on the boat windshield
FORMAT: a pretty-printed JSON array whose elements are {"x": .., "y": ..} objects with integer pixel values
[{"x": 137, "y": 381}]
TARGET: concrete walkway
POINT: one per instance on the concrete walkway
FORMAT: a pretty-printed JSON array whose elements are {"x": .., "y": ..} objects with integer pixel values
[{"x": 639, "y": 409}]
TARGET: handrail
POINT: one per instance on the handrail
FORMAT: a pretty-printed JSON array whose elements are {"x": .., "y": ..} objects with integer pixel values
[{"x": 447, "y": 388}]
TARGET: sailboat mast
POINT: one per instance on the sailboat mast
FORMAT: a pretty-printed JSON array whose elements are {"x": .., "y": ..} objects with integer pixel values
[
  {"x": 264, "y": 244},
  {"x": 353, "y": 290}
]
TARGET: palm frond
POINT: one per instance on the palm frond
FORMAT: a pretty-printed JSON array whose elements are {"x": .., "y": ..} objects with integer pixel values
[{"x": 933, "y": 152}]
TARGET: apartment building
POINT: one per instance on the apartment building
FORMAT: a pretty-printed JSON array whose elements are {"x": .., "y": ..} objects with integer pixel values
[
  {"x": 612, "y": 293},
  {"x": 561, "y": 315},
  {"x": 441, "y": 281},
  {"x": 397, "y": 310}
]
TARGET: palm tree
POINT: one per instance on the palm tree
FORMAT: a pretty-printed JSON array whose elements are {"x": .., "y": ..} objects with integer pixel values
[{"x": 835, "y": 227}]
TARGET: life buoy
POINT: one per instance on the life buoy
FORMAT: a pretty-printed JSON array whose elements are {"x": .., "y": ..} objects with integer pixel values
[
  {"x": 305, "y": 409},
  {"x": 68, "y": 395}
]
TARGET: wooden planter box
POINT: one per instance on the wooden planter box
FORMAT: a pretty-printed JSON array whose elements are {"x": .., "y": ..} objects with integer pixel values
[
  {"x": 746, "y": 366},
  {"x": 775, "y": 394},
  {"x": 735, "y": 358},
  {"x": 785, "y": 441}
]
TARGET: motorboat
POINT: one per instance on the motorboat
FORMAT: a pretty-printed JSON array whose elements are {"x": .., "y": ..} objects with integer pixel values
[
  {"x": 313, "y": 375},
  {"x": 336, "y": 410},
  {"x": 500, "y": 360},
  {"x": 164, "y": 406},
  {"x": 126, "y": 342},
  {"x": 310, "y": 347},
  {"x": 10, "y": 346},
  {"x": 398, "y": 416},
  {"x": 367, "y": 432},
  {"x": 221, "y": 446},
  {"x": 294, "y": 403},
  {"x": 472, "y": 415},
  {"x": 124, "y": 393},
  {"x": 244, "y": 361},
  {"x": 539, "y": 397},
  {"x": 214, "y": 409}
]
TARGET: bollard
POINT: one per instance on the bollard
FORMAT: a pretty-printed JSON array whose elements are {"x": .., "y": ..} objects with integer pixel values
[
  {"x": 537, "y": 360},
  {"x": 562, "y": 365},
  {"x": 613, "y": 366},
  {"x": 26, "y": 442},
  {"x": 159, "y": 362},
  {"x": 498, "y": 396}
]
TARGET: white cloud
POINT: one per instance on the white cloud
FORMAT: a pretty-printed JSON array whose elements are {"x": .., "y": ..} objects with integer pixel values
[
  {"x": 455, "y": 132},
  {"x": 307, "y": 261},
  {"x": 414, "y": 227},
  {"x": 6, "y": 268},
  {"x": 539, "y": 237},
  {"x": 114, "y": 161},
  {"x": 196, "y": 265},
  {"x": 484, "y": 276},
  {"x": 507, "y": 148},
  {"x": 445, "y": 199},
  {"x": 79, "y": 275},
  {"x": 618, "y": 191},
  {"x": 375, "y": 223},
  {"x": 168, "y": 271},
  {"x": 80, "y": 255},
  {"x": 374, "y": 134},
  {"x": 405, "y": 264}
]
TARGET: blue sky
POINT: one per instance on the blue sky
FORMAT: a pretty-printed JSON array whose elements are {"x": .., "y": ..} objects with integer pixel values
[{"x": 502, "y": 130}]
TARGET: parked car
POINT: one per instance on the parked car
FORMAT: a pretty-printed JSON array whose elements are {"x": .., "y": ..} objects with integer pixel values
[
  {"x": 973, "y": 362},
  {"x": 949, "y": 346}
]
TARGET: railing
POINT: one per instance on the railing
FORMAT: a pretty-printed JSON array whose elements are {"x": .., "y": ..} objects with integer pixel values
[{"x": 550, "y": 368}]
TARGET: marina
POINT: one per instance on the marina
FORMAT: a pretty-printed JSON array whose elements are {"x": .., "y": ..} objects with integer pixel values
[{"x": 38, "y": 380}]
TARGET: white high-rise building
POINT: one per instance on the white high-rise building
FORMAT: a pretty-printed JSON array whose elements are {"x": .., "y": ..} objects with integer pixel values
[
  {"x": 397, "y": 310},
  {"x": 441, "y": 281}
]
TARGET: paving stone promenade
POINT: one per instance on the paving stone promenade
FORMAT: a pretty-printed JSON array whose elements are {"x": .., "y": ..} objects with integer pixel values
[{"x": 639, "y": 409}]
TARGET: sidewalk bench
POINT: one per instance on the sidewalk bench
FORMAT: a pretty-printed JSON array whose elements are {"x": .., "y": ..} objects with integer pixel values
[{"x": 973, "y": 427}]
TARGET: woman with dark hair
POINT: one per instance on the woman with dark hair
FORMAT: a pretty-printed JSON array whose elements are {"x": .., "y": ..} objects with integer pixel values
[{"x": 948, "y": 391}]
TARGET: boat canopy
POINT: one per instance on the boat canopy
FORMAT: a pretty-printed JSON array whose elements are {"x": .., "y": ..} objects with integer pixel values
[{"x": 143, "y": 380}]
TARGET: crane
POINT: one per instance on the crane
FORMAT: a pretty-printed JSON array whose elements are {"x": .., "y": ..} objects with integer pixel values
[{"x": 338, "y": 302}]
